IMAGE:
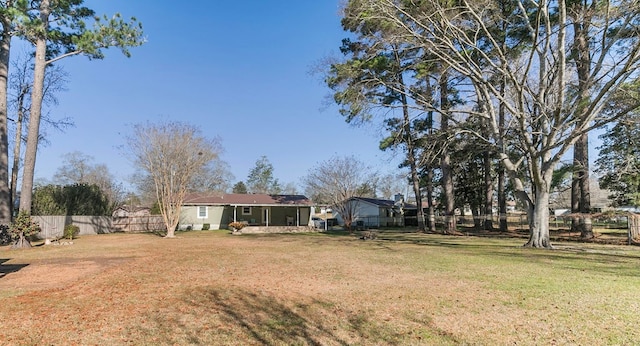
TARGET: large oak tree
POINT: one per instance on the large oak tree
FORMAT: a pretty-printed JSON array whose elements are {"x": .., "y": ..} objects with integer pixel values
[{"x": 546, "y": 109}]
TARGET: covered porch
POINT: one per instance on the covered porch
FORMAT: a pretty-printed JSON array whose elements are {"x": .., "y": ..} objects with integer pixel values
[{"x": 270, "y": 215}]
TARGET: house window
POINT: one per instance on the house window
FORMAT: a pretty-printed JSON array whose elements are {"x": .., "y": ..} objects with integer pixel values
[
  {"x": 203, "y": 212},
  {"x": 246, "y": 210}
]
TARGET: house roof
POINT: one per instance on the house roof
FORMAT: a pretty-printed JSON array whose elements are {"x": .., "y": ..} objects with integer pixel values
[
  {"x": 375, "y": 201},
  {"x": 132, "y": 208},
  {"x": 245, "y": 199}
]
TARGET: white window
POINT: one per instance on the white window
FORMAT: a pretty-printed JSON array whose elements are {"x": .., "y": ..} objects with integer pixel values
[
  {"x": 246, "y": 210},
  {"x": 203, "y": 212}
]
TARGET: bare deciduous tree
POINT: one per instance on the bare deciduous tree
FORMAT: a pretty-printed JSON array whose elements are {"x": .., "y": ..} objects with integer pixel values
[
  {"x": 546, "y": 109},
  {"x": 172, "y": 154},
  {"x": 77, "y": 168},
  {"x": 334, "y": 181}
]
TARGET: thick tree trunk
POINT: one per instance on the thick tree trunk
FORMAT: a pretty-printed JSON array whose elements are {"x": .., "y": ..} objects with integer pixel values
[
  {"x": 411, "y": 152},
  {"x": 502, "y": 195},
  {"x": 538, "y": 214},
  {"x": 445, "y": 161},
  {"x": 418, "y": 194},
  {"x": 168, "y": 225},
  {"x": 502, "y": 200},
  {"x": 586, "y": 226},
  {"x": 21, "y": 243},
  {"x": 432, "y": 209},
  {"x": 580, "y": 192},
  {"x": 5, "y": 192},
  {"x": 33, "y": 134},
  {"x": 488, "y": 193},
  {"x": 575, "y": 188},
  {"x": 447, "y": 187},
  {"x": 475, "y": 213}
]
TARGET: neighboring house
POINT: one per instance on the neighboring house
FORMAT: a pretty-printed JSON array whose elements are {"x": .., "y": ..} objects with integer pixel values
[
  {"x": 219, "y": 210},
  {"x": 599, "y": 198},
  {"x": 373, "y": 212},
  {"x": 131, "y": 211},
  {"x": 129, "y": 218}
]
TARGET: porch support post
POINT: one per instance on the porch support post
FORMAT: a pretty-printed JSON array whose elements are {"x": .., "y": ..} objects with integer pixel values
[
  {"x": 235, "y": 211},
  {"x": 297, "y": 216}
]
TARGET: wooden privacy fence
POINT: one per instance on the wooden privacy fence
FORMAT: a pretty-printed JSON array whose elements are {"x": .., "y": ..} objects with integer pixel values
[
  {"x": 134, "y": 224},
  {"x": 53, "y": 226}
]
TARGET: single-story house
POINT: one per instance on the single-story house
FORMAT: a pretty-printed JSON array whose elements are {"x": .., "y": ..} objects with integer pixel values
[
  {"x": 372, "y": 212},
  {"x": 261, "y": 210}
]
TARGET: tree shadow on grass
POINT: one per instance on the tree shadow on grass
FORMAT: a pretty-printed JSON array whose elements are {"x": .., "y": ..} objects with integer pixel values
[
  {"x": 9, "y": 268},
  {"x": 239, "y": 316},
  {"x": 579, "y": 256}
]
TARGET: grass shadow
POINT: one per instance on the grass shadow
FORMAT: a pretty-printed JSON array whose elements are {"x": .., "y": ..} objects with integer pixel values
[
  {"x": 9, "y": 268},
  {"x": 239, "y": 316}
]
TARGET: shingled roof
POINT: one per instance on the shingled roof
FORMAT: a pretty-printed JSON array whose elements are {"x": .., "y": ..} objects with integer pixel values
[{"x": 245, "y": 199}]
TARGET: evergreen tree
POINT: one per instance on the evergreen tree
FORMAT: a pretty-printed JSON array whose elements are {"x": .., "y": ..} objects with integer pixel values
[
  {"x": 59, "y": 29},
  {"x": 240, "y": 187},
  {"x": 261, "y": 180},
  {"x": 619, "y": 161}
]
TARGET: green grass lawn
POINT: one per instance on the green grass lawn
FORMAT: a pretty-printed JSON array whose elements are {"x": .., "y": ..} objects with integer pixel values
[{"x": 210, "y": 287}]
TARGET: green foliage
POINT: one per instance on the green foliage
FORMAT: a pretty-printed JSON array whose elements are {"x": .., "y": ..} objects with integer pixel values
[
  {"x": 561, "y": 176},
  {"x": 76, "y": 199},
  {"x": 618, "y": 162},
  {"x": 155, "y": 209},
  {"x": 261, "y": 180},
  {"x": 110, "y": 32},
  {"x": 23, "y": 226},
  {"x": 240, "y": 187},
  {"x": 206, "y": 226},
  {"x": 5, "y": 235},
  {"x": 72, "y": 34},
  {"x": 71, "y": 231}
]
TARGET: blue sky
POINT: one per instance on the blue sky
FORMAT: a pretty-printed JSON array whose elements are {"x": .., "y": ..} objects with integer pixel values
[{"x": 239, "y": 70}]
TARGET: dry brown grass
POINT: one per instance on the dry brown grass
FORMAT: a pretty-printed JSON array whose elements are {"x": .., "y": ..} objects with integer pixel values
[{"x": 213, "y": 288}]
